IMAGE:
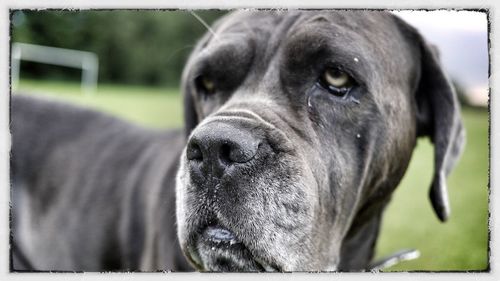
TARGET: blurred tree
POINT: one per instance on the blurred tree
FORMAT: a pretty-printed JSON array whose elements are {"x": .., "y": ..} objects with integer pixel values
[{"x": 134, "y": 47}]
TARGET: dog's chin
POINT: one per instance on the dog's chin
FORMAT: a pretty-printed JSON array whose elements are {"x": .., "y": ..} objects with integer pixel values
[
  {"x": 233, "y": 258},
  {"x": 224, "y": 252}
]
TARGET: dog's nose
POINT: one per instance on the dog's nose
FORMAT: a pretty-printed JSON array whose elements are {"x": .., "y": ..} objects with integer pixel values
[{"x": 217, "y": 146}]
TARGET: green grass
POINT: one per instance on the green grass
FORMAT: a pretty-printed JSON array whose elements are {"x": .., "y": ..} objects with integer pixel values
[
  {"x": 152, "y": 107},
  {"x": 462, "y": 242},
  {"x": 459, "y": 244}
]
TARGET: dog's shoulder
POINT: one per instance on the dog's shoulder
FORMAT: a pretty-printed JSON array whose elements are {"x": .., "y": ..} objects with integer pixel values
[{"x": 42, "y": 128}]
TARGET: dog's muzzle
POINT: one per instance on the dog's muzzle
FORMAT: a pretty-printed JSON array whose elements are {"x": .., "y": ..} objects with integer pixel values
[{"x": 216, "y": 153}]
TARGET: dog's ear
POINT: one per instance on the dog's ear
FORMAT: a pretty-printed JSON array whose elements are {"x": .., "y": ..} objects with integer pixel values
[
  {"x": 190, "y": 116},
  {"x": 438, "y": 116},
  {"x": 188, "y": 93},
  {"x": 191, "y": 119}
]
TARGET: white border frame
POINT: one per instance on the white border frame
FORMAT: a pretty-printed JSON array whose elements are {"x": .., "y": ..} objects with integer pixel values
[{"x": 5, "y": 5}]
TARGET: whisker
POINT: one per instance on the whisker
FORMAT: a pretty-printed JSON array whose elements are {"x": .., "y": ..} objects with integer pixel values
[
  {"x": 204, "y": 24},
  {"x": 177, "y": 51}
]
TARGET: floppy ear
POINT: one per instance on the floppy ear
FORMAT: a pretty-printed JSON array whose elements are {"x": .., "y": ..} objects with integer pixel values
[
  {"x": 438, "y": 116},
  {"x": 188, "y": 92},
  {"x": 190, "y": 116},
  {"x": 190, "y": 113}
]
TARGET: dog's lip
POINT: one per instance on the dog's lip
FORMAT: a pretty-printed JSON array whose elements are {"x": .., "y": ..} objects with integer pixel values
[
  {"x": 217, "y": 236},
  {"x": 268, "y": 267}
]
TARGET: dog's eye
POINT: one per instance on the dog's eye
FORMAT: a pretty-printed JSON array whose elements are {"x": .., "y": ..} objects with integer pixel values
[
  {"x": 336, "y": 81},
  {"x": 336, "y": 78},
  {"x": 205, "y": 85}
]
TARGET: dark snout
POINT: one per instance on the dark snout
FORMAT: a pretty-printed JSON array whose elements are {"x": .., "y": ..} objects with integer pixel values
[
  {"x": 219, "y": 154},
  {"x": 246, "y": 198},
  {"x": 215, "y": 147}
]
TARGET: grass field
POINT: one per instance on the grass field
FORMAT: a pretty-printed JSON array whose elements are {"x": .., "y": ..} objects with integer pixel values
[
  {"x": 459, "y": 244},
  {"x": 152, "y": 107}
]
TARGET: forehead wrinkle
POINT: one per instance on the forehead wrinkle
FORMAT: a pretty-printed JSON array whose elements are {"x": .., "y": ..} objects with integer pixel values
[
  {"x": 257, "y": 26},
  {"x": 276, "y": 37},
  {"x": 345, "y": 48}
]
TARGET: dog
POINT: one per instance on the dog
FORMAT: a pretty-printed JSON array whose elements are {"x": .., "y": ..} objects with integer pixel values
[{"x": 298, "y": 127}]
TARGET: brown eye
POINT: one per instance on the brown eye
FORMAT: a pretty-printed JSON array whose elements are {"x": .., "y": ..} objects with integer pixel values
[
  {"x": 205, "y": 85},
  {"x": 336, "y": 81}
]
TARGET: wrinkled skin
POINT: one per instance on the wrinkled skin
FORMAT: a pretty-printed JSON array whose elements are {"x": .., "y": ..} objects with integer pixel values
[{"x": 312, "y": 195}]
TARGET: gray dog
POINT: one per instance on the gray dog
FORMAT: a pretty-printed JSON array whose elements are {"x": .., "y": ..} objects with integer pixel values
[{"x": 298, "y": 127}]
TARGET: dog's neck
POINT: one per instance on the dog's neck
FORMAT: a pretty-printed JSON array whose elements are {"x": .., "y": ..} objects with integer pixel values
[
  {"x": 358, "y": 246},
  {"x": 151, "y": 244}
]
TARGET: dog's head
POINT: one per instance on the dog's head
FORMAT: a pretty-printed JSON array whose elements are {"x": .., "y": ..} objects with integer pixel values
[{"x": 300, "y": 124}]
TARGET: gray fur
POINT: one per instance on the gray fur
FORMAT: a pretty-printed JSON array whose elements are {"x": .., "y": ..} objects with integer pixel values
[
  {"x": 94, "y": 193},
  {"x": 89, "y": 191}
]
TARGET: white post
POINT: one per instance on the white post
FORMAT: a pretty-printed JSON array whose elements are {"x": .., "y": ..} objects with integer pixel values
[
  {"x": 90, "y": 68},
  {"x": 15, "y": 65},
  {"x": 87, "y": 61}
]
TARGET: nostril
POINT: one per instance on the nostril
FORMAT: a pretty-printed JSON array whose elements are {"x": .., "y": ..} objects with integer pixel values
[
  {"x": 225, "y": 153},
  {"x": 193, "y": 151},
  {"x": 242, "y": 152}
]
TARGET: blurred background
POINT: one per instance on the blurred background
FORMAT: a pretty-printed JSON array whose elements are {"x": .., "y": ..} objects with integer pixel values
[{"x": 128, "y": 63}]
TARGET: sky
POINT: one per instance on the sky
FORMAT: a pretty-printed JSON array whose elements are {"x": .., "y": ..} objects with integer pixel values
[{"x": 462, "y": 38}]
